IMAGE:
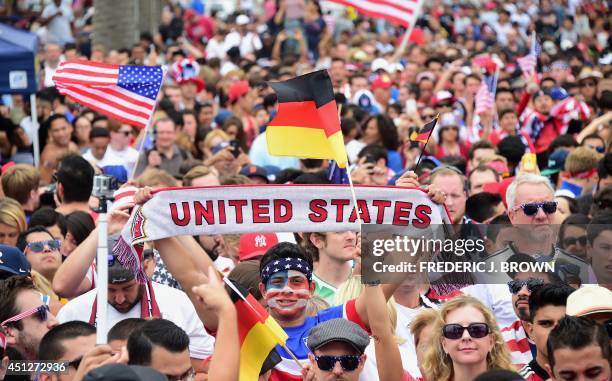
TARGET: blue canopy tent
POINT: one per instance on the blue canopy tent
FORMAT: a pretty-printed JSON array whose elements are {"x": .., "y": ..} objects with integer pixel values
[{"x": 18, "y": 50}]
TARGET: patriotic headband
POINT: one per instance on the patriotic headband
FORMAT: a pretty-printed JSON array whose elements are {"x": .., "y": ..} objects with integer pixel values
[{"x": 285, "y": 264}]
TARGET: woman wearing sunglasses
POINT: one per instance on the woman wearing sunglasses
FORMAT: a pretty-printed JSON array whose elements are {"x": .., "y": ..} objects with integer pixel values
[{"x": 465, "y": 343}]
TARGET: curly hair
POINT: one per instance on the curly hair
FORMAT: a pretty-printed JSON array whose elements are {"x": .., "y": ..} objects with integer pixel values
[{"x": 439, "y": 366}]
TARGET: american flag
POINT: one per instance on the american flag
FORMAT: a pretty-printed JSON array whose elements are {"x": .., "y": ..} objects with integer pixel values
[
  {"x": 402, "y": 12},
  {"x": 529, "y": 62},
  {"x": 485, "y": 97},
  {"x": 123, "y": 92}
]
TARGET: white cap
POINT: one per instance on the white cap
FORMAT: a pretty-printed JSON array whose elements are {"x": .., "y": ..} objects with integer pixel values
[
  {"x": 242, "y": 20},
  {"x": 589, "y": 300},
  {"x": 565, "y": 193},
  {"x": 380, "y": 63}
]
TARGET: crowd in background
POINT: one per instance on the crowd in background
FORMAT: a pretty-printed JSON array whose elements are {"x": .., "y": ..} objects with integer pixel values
[{"x": 540, "y": 155}]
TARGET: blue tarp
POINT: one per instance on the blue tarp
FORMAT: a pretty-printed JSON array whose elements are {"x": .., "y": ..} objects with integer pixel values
[{"x": 17, "y": 51}]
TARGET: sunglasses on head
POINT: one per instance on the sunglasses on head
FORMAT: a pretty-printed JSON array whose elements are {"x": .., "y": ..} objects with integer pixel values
[
  {"x": 348, "y": 362},
  {"x": 531, "y": 208},
  {"x": 532, "y": 284},
  {"x": 573, "y": 240},
  {"x": 475, "y": 330},
  {"x": 39, "y": 247},
  {"x": 41, "y": 313}
]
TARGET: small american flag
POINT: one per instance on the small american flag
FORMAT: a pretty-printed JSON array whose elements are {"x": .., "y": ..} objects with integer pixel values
[
  {"x": 402, "y": 12},
  {"x": 123, "y": 92},
  {"x": 485, "y": 97},
  {"x": 529, "y": 62}
]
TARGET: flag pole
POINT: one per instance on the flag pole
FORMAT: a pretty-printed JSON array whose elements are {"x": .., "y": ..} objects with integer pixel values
[
  {"x": 400, "y": 50},
  {"x": 148, "y": 126},
  {"x": 351, "y": 186},
  {"x": 425, "y": 145},
  {"x": 231, "y": 285}
]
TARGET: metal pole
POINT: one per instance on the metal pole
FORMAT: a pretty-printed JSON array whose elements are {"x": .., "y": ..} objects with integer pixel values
[
  {"x": 102, "y": 269},
  {"x": 34, "y": 118}
]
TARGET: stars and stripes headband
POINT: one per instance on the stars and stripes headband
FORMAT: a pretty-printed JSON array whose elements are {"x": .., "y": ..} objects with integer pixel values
[{"x": 285, "y": 264}]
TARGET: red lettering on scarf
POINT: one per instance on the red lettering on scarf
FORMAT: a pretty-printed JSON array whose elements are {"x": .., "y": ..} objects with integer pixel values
[
  {"x": 319, "y": 213},
  {"x": 279, "y": 216},
  {"x": 402, "y": 213},
  {"x": 381, "y": 205},
  {"x": 238, "y": 206},
  {"x": 206, "y": 213},
  {"x": 186, "y": 214},
  {"x": 261, "y": 208},
  {"x": 422, "y": 214},
  {"x": 340, "y": 203}
]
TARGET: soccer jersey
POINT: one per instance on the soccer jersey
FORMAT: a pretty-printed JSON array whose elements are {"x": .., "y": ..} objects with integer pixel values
[{"x": 533, "y": 372}]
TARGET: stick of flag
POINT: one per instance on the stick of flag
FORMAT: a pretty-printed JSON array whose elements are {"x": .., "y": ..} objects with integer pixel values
[
  {"x": 529, "y": 62},
  {"x": 259, "y": 333},
  {"x": 423, "y": 135}
]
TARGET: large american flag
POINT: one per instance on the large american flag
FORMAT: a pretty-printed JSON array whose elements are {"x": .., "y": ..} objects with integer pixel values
[
  {"x": 529, "y": 62},
  {"x": 123, "y": 92},
  {"x": 402, "y": 12},
  {"x": 485, "y": 96}
]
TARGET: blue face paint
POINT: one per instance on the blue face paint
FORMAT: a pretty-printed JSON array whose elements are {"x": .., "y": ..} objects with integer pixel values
[{"x": 278, "y": 280}]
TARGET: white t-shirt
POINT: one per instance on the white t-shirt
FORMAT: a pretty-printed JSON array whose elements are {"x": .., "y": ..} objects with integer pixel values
[
  {"x": 174, "y": 305},
  {"x": 58, "y": 29},
  {"x": 406, "y": 348},
  {"x": 248, "y": 44},
  {"x": 497, "y": 298},
  {"x": 128, "y": 157}
]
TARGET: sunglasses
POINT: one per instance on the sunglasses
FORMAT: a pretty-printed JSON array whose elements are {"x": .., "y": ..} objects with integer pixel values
[
  {"x": 588, "y": 84},
  {"x": 531, "y": 208},
  {"x": 599, "y": 149},
  {"x": 41, "y": 313},
  {"x": 348, "y": 363},
  {"x": 39, "y": 247},
  {"x": 455, "y": 331},
  {"x": 532, "y": 284},
  {"x": 573, "y": 240},
  {"x": 187, "y": 376}
]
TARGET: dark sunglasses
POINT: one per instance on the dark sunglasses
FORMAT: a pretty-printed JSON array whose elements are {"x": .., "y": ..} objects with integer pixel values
[
  {"x": 41, "y": 313},
  {"x": 39, "y": 247},
  {"x": 455, "y": 331},
  {"x": 599, "y": 149},
  {"x": 573, "y": 240},
  {"x": 532, "y": 284},
  {"x": 348, "y": 363},
  {"x": 531, "y": 209}
]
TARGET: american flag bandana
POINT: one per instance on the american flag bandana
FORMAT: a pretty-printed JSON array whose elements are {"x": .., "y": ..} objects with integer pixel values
[{"x": 284, "y": 264}]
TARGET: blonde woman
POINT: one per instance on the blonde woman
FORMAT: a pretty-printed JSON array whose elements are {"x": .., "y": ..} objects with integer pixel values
[
  {"x": 466, "y": 342},
  {"x": 12, "y": 221},
  {"x": 422, "y": 327}
]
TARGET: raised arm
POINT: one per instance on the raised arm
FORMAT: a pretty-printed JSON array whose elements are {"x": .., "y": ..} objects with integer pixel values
[
  {"x": 385, "y": 344},
  {"x": 225, "y": 362}
]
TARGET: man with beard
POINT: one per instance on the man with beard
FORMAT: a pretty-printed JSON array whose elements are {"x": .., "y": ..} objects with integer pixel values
[
  {"x": 24, "y": 315},
  {"x": 521, "y": 346},
  {"x": 130, "y": 299}
]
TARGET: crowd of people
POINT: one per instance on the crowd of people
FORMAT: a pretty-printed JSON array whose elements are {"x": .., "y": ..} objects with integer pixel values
[{"x": 530, "y": 174}]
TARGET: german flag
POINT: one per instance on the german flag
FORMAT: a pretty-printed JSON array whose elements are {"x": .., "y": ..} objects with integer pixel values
[
  {"x": 424, "y": 133},
  {"x": 307, "y": 123},
  {"x": 258, "y": 332}
]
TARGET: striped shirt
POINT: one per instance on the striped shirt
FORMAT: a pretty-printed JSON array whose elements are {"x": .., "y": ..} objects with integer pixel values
[
  {"x": 518, "y": 344},
  {"x": 533, "y": 372}
]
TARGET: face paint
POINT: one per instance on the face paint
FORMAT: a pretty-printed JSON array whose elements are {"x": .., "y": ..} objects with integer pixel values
[{"x": 287, "y": 292}]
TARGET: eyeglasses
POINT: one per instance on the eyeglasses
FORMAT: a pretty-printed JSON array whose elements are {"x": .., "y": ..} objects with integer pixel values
[
  {"x": 531, "y": 208},
  {"x": 41, "y": 313},
  {"x": 532, "y": 284},
  {"x": 348, "y": 362},
  {"x": 573, "y": 240},
  {"x": 39, "y": 247},
  {"x": 187, "y": 376},
  {"x": 455, "y": 331}
]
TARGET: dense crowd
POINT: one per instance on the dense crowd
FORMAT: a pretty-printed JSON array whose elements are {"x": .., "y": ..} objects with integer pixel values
[{"x": 530, "y": 174}]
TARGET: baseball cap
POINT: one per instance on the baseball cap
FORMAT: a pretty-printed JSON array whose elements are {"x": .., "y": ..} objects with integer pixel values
[
  {"x": 12, "y": 260},
  {"x": 237, "y": 89},
  {"x": 442, "y": 96},
  {"x": 589, "y": 299},
  {"x": 242, "y": 20},
  {"x": 556, "y": 162},
  {"x": 255, "y": 171},
  {"x": 448, "y": 119},
  {"x": 253, "y": 245},
  {"x": 380, "y": 63},
  {"x": 381, "y": 82},
  {"x": 121, "y": 372},
  {"x": 335, "y": 330}
]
